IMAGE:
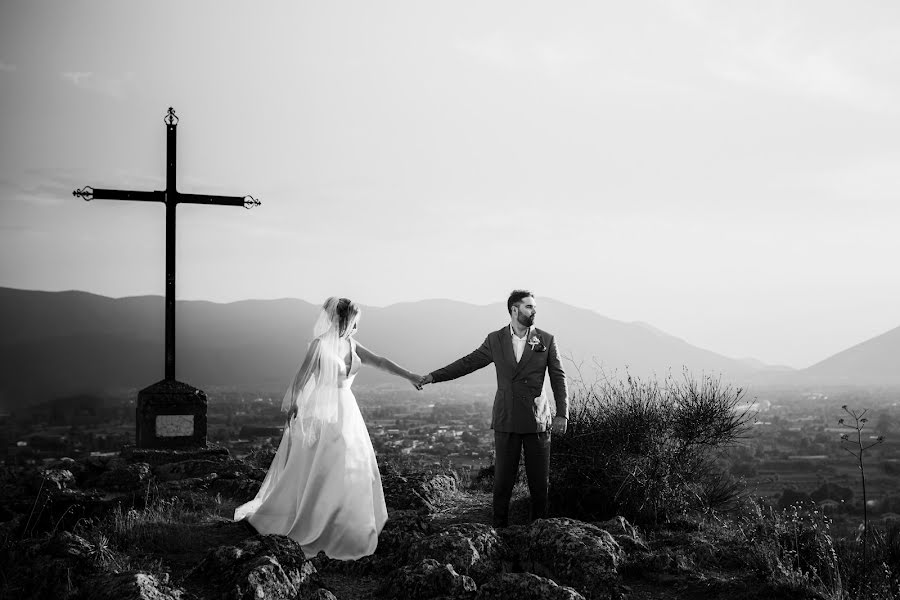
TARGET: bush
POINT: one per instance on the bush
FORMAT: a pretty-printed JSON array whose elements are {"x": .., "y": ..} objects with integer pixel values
[{"x": 646, "y": 450}]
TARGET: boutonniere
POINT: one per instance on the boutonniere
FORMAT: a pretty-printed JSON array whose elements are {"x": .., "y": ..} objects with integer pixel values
[{"x": 537, "y": 345}]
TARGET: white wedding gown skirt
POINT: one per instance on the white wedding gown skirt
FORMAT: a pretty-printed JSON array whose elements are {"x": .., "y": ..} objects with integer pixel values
[{"x": 327, "y": 496}]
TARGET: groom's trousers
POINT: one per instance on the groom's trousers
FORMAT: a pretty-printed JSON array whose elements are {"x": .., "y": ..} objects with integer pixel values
[{"x": 508, "y": 447}]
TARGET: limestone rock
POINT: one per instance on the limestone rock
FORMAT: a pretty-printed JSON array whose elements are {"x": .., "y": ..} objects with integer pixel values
[
  {"x": 238, "y": 469},
  {"x": 525, "y": 586},
  {"x": 238, "y": 480},
  {"x": 402, "y": 530},
  {"x": 186, "y": 469},
  {"x": 625, "y": 534},
  {"x": 472, "y": 549},
  {"x": 435, "y": 488},
  {"x": 50, "y": 568},
  {"x": 67, "y": 545},
  {"x": 228, "y": 469},
  {"x": 157, "y": 457},
  {"x": 661, "y": 565},
  {"x": 262, "y": 566},
  {"x": 570, "y": 552},
  {"x": 190, "y": 484},
  {"x": 238, "y": 488},
  {"x": 421, "y": 491},
  {"x": 316, "y": 594},
  {"x": 69, "y": 464},
  {"x": 125, "y": 477},
  {"x": 55, "y": 479},
  {"x": 240, "y": 483},
  {"x": 618, "y": 526},
  {"x": 427, "y": 579},
  {"x": 261, "y": 457},
  {"x": 131, "y": 585}
]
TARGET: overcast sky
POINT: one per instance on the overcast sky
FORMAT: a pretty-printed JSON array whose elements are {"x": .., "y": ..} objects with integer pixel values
[{"x": 728, "y": 172}]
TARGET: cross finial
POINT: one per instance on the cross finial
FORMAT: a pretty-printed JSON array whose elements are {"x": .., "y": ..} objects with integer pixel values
[
  {"x": 85, "y": 193},
  {"x": 171, "y": 117}
]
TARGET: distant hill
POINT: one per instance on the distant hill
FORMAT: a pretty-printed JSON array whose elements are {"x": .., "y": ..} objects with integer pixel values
[
  {"x": 875, "y": 361},
  {"x": 63, "y": 343}
]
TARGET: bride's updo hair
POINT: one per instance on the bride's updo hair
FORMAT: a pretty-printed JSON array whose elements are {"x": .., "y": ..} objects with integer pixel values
[{"x": 346, "y": 313}]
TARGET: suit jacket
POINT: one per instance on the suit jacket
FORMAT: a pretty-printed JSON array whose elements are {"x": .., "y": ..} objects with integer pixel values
[{"x": 520, "y": 405}]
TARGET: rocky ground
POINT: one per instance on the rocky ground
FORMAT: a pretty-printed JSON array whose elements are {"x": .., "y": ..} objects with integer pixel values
[{"x": 156, "y": 525}]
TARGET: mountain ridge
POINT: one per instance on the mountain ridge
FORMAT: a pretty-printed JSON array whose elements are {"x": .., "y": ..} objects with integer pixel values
[{"x": 67, "y": 342}]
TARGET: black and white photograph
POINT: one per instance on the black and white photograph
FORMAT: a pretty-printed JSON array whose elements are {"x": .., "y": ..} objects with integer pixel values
[{"x": 424, "y": 300}]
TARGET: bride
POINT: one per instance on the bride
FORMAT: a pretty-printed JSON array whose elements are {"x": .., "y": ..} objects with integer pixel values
[{"x": 323, "y": 488}]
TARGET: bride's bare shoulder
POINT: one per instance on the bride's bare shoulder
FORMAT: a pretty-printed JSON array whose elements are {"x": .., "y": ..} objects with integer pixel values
[{"x": 364, "y": 353}]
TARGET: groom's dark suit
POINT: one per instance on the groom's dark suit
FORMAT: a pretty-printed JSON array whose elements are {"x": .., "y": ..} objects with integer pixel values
[{"x": 521, "y": 415}]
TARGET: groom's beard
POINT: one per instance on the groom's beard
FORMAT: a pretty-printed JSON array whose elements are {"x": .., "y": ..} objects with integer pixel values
[{"x": 525, "y": 321}]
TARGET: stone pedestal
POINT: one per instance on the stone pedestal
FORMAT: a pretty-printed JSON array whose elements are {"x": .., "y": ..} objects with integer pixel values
[{"x": 171, "y": 414}]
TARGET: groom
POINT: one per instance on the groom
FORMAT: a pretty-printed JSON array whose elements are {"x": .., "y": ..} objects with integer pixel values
[{"x": 522, "y": 354}]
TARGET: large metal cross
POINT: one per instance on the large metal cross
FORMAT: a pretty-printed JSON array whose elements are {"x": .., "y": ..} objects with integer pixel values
[{"x": 170, "y": 197}]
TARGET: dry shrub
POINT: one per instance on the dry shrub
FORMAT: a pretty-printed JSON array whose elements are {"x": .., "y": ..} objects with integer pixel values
[{"x": 647, "y": 449}]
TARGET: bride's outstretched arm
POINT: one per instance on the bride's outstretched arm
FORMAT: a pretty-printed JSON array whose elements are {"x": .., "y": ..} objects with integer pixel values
[{"x": 379, "y": 362}]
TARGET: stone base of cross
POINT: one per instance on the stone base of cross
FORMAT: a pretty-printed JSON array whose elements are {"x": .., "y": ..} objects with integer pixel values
[{"x": 171, "y": 414}]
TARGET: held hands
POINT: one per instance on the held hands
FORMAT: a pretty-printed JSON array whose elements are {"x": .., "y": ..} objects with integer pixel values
[
  {"x": 559, "y": 425},
  {"x": 416, "y": 380},
  {"x": 424, "y": 380}
]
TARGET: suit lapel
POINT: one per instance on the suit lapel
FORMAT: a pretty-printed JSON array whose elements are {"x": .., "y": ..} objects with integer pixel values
[
  {"x": 506, "y": 343},
  {"x": 527, "y": 352}
]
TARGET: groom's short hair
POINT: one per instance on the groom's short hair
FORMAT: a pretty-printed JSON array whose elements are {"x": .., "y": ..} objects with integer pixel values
[{"x": 515, "y": 297}]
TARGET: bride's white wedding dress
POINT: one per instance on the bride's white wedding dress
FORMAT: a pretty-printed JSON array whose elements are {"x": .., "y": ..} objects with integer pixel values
[{"x": 328, "y": 495}]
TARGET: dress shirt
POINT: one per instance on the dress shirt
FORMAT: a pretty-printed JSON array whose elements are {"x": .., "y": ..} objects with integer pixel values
[{"x": 518, "y": 342}]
